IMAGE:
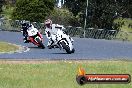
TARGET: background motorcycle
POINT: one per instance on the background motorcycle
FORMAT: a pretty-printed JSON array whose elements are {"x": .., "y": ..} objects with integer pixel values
[{"x": 35, "y": 37}]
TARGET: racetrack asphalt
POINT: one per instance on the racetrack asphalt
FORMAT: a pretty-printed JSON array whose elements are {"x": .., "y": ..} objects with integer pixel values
[{"x": 85, "y": 49}]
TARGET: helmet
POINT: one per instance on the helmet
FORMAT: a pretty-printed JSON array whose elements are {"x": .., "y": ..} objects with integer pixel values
[
  {"x": 48, "y": 23},
  {"x": 25, "y": 25}
]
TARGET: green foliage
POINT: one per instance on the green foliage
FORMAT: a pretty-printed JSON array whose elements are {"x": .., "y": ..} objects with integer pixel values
[
  {"x": 126, "y": 24},
  {"x": 63, "y": 16},
  {"x": 7, "y": 11},
  {"x": 1, "y": 4},
  {"x": 0, "y": 8},
  {"x": 101, "y": 13},
  {"x": 32, "y": 10},
  {"x": 75, "y": 6}
]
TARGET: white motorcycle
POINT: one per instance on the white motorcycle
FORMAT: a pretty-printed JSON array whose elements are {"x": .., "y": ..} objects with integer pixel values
[{"x": 64, "y": 41}]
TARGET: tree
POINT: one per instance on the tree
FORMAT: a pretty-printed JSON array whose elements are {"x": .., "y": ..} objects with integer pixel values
[
  {"x": 125, "y": 8},
  {"x": 75, "y": 6},
  {"x": 1, "y": 4},
  {"x": 63, "y": 16},
  {"x": 104, "y": 12},
  {"x": 101, "y": 13},
  {"x": 32, "y": 10}
]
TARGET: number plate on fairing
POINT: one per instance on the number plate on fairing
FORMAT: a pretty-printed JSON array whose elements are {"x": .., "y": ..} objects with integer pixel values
[{"x": 32, "y": 32}]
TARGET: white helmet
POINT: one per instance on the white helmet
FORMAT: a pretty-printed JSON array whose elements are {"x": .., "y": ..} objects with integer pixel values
[{"x": 48, "y": 23}]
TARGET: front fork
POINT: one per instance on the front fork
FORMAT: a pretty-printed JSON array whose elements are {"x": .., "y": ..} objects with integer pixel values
[{"x": 39, "y": 34}]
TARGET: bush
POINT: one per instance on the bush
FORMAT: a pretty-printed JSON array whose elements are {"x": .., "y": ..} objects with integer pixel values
[
  {"x": 1, "y": 4},
  {"x": 63, "y": 16},
  {"x": 7, "y": 11},
  {"x": 32, "y": 10}
]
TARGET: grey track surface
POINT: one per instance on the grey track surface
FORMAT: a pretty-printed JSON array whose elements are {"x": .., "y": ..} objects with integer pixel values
[{"x": 85, "y": 49}]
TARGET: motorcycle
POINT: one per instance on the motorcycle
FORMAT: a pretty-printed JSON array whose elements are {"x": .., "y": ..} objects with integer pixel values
[
  {"x": 64, "y": 41},
  {"x": 35, "y": 37}
]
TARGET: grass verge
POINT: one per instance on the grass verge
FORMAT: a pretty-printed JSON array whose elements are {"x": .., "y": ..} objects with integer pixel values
[
  {"x": 6, "y": 47},
  {"x": 58, "y": 74}
]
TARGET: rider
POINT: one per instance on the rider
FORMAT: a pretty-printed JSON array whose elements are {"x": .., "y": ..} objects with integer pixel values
[
  {"x": 51, "y": 31},
  {"x": 25, "y": 26}
]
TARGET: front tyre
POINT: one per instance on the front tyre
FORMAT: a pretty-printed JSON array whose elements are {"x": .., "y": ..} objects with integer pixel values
[
  {"x": 73, "y": 50},
  {"x": 40, "y": 43},
  {"x": 66, "y": 47}
]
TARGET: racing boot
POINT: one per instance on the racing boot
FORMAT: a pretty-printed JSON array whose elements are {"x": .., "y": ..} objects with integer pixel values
[{"x": 26, "y": 40}]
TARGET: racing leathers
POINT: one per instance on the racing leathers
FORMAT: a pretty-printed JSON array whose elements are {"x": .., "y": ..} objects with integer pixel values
[
  {"x": 24, "y": 31},
  {"x": 51, "y": 34}
]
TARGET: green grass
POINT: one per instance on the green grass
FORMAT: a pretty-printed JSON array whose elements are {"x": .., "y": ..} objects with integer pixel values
[
  {"x": 58, "y": 74},
  {"x": 6, "y": 47}
]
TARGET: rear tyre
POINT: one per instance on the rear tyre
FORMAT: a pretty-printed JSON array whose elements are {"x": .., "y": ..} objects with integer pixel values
[
  {"x": 66, "y": 47},
  {"x": 40, "y": 43}
]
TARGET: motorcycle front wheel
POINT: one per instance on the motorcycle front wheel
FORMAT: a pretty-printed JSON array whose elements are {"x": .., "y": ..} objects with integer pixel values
[
  {"x": 73, "y": 50},
  {"x": 40, "y": 43},
  {"x": 66, "y": 47}
]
